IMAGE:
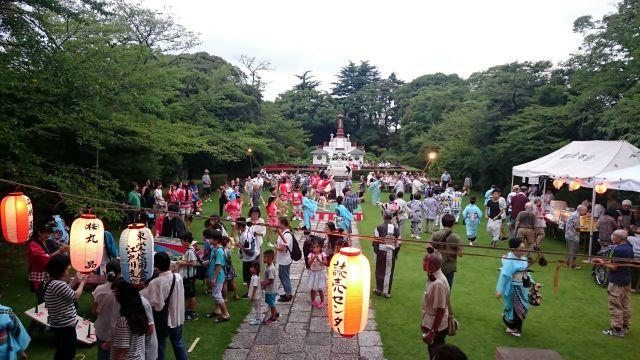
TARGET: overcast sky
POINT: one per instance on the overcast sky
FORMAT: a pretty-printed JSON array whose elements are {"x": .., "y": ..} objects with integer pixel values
[{"x": 411, "y": 38}]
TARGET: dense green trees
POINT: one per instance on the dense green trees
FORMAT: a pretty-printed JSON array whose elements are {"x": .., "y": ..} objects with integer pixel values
[
  {"x": 96, "y": 94},
  {"x": 90, "y": 100}
]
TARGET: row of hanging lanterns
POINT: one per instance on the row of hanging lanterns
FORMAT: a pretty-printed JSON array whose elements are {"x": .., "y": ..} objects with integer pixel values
[
  {"x": 86, "y": 241},
  {"x": 349, "y": 273},
  {"x": 574, "y": 185}
]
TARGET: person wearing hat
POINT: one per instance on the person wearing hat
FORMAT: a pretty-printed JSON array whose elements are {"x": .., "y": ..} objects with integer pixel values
[
  {"x": 386, "y": 254},
  {"x": 628, "y": 217},
  {"x": 38, "y": 255},
  {"x": 206, "y": 186},
  {"x": 435, "y": 310},
  {"x": 619, "y": 284},
  {"x": 187, "y": 268}
]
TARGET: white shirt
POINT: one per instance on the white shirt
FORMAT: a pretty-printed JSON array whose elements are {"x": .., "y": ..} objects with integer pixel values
[
  {"x": 188, "y": 271},
  {"x": 417, "y": 186},
  {"x": 157, "y": 194},
  {"x": 261, "y": 230},
  {"x": 108, "y": 310},
  {"x": 157, "y": 292},
  {"x": 403, "y": 210},
  {"x": 284, "y": 257},
  {"x": 255, "y": 284},
  {"x": 247, "y": 237},
  {"x": 206, "y": 181},
  {"x": 258, "y": 181},
  {"x": 151, "y": 342}
]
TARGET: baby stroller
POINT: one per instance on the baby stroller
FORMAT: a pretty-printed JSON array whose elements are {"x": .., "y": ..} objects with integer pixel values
[{"x": 600, "y": 272}]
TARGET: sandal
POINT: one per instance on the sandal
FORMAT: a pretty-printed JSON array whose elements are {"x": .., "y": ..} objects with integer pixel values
[
  {"x": 211, "y": 315},
  {"x": 221, "y": 319}
]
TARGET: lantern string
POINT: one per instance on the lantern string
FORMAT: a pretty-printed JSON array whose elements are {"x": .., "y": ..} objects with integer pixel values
[{"x": 126, "y": 207}]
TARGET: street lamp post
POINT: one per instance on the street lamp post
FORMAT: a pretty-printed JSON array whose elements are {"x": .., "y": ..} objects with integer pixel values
[
  {"x": 432, "y": 156},
  {"x": 249, "y": 153}
]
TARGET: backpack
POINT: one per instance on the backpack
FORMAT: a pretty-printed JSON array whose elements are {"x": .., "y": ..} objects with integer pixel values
[{"x": 294, "y": 249}]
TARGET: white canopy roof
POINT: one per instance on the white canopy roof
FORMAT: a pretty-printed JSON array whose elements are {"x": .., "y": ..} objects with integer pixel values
[
  {"x": 584, "y": 160},
  {"x": 627, "y": 179}
]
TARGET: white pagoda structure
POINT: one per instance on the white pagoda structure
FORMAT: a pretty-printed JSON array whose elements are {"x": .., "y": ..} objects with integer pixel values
[{"x": 338, "y": 154}]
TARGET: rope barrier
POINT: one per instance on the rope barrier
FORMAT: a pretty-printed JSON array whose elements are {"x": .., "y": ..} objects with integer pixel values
[{"x": 626, "y": 262}]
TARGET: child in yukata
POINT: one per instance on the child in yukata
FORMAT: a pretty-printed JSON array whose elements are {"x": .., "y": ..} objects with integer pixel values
[
  {"x": 430, "y": 212},
  {"x": 296, "y": 202},
  {"x": 416, "y": 215}
]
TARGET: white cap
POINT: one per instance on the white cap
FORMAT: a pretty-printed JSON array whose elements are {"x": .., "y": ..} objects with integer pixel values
[{"x": 626, "y": 202}]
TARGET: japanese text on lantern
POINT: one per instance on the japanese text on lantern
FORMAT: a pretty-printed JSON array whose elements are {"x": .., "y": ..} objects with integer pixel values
[
  {"x": 137, "y": 257},
  {"x": 92, "y": 227},
  {"x": 339, "y": 287}
]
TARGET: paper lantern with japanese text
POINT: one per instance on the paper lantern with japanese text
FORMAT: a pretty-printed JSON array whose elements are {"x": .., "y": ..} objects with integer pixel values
[
  {"x": 575, "y": 185},
  {"x": 86, "y": 243},
  {"x": 136, "y": 253},
  {"x": 558, "y": 183},
  {"x": 17, "y": 218},
  {"x": 348, "y": 283},
  {"x": 601, "y": 188}
]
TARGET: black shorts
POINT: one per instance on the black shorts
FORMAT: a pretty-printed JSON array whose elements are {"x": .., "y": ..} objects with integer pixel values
[
  {"x": 206, "y": 190},
  {"x": 189, "y": 287}
]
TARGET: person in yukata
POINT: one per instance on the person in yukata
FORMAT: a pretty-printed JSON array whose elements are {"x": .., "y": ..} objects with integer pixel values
[
  {"x": 416, "y": 215},
  {"x": 309, "y": 208},
  {"x": 14, "y": 338},
  {"x": 375, "y": 190},
  {"x": 345, "y": 216},
  {"x": 430, "y": 212},
  {"x": 472, "y": 215}
]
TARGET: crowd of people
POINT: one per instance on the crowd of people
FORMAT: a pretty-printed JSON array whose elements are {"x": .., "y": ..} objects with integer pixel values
[{"x": 135, "y": 321}]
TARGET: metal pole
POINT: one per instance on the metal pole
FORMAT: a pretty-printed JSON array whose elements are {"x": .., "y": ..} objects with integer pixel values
[
  {"x": 512, "y": 176},
  {"x": 251, "y": 163},
  {"x": 97, "y": 158},
  {"x": 593, "y": 205}
]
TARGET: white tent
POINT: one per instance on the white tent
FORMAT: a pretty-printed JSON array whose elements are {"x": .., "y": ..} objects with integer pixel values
[
  {"x": 582, "y": 160},
  {"x": 627, "y": 179},
  {"x": 589, "y": 162}
]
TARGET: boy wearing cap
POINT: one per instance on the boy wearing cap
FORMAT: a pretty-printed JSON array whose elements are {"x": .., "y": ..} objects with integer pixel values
[
  {"x": 206, "y": 185},
  {"x": 187, "y": 268}
]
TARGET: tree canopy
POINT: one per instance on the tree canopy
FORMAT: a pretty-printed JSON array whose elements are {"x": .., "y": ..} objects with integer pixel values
[{"x": 95, "y": 95}]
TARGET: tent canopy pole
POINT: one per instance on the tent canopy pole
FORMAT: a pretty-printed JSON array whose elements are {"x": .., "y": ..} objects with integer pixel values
[{"x": 593, "y": 205}]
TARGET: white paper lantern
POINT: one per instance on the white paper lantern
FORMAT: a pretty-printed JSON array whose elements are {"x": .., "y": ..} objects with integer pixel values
[
  {"x": 136, "y": 253},
  {"x": 86, "y": 243}
]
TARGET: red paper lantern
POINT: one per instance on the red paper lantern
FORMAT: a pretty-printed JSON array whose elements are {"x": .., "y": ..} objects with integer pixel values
[
  {"x": 86, "y": 243},
  {"x": 17, "y": 218},
  {"x": 348, "y": 292},
  {"x": 601, "y": 188},
  {"x": 574, "y": 185},
  {"x": 558, "y": 183}
]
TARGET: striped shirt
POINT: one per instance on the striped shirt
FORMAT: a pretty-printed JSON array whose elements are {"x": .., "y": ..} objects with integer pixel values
[
  {"x": 60, "y": 300},
  {"x": 122, "y": 338}
]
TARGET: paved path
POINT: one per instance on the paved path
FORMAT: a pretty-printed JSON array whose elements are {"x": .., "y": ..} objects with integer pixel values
[{"x": 303, "y": 332}]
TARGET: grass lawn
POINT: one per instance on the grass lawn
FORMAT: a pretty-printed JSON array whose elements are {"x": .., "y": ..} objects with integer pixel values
[
  {"x": 570, "y": 321},
  {"x": 214, "y": 338}
]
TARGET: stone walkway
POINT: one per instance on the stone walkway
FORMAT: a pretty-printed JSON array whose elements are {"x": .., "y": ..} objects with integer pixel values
[{"x": 303, "y": 332}]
